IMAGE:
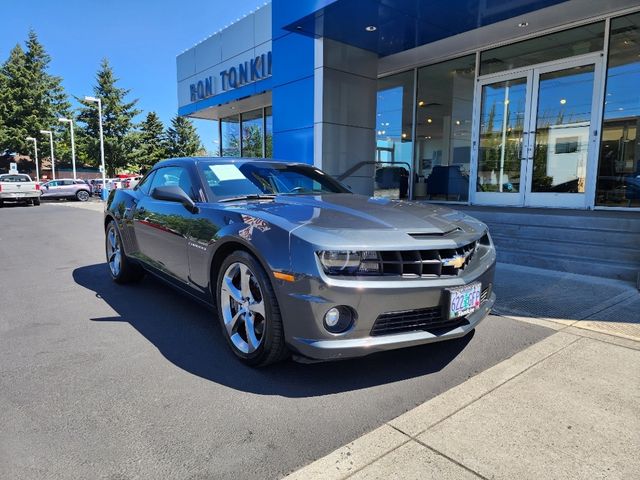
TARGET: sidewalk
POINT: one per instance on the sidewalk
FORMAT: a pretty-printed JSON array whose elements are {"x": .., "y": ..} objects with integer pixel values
[{"x": 566, "y": 407}]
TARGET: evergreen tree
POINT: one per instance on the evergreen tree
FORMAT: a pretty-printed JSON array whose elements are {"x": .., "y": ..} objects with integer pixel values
[
  {"x": 30, "y": 98},
  {"x": 117, "y": 121},
  {"x": 151, "y": 143},
  {"x": 183, "y": 139}
]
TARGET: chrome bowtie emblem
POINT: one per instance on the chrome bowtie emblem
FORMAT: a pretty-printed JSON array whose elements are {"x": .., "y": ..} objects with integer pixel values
[{"x": 456, "y": 261}]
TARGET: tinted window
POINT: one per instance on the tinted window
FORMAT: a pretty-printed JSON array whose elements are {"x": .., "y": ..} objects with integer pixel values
[
  {"x": 65, "y": 182},
  {"x": 230, "y": 179},
  {"x": 14, "y": 178},
  {"x": 173, "y": 176},
  {"x": 145, "y": 184}
]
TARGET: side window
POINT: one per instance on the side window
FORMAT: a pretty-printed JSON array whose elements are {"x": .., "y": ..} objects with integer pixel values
[
  {"x": 66, "y": 182},
  {"x": 53, "y": 184},
  {"x": 173, "y": 176},
  {"x": 145, "y": 184}
]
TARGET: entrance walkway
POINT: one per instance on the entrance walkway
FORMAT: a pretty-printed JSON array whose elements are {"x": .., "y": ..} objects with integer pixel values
[{"x": 566, "y": 407}]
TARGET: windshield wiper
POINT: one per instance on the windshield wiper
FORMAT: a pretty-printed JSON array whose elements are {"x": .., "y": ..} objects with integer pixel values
[{"x": 253, "y": 196}]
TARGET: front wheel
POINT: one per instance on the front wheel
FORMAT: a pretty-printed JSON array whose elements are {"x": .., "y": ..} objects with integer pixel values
[
  {"x": 121, "y": 268},
  {"x": 248, "y": 311},
  {"x": 82, "y": 195}
]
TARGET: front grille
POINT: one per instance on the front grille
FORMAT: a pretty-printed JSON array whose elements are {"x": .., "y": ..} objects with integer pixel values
[
  {"x": 427, "y": 263},
  {"x": 430, "y": 319}
]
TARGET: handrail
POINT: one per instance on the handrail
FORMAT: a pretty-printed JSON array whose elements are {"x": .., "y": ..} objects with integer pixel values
[{"x": 359, "y": 165}]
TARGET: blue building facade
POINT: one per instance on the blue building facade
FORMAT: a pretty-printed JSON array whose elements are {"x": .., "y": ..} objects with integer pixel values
[{"x": 516, "y": 103}]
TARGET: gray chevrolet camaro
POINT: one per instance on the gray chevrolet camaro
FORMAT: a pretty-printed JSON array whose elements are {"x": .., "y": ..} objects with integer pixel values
[{"x": 296, "y": 264}]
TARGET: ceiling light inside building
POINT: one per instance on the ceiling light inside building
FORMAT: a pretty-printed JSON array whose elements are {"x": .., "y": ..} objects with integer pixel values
[
  {"x": 429, "y": 120},
  {"x": 563, "y": 101},
  {"x": 523, "y": 24},
  {"x": 371, "y": 28},
  {"x": 421, "y": 103}
]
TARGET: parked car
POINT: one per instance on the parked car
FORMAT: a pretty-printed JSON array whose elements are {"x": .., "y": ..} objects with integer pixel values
[
  {"x": 66, "y": 188},
  {"x": 131, "y": 182},
  {"x": 18, "y": 187},
  {"x": 294, "y": 262}
]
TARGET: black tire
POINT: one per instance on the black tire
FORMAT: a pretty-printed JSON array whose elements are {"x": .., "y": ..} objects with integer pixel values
[
  {"x": 36, "y": 202},
  {"x": 1, "y": 203},
  {"x": 82, "y": 195},
  {"x": 272, "y": 347},
  {"x": 123, "y": 269}
]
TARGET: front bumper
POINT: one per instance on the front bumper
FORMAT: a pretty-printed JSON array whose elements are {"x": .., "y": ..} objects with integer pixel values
[{"x": 305, "y": 302}]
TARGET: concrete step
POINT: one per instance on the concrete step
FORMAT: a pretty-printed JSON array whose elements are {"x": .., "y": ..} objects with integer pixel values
[
  {"x": 586, "y": 251},
  {"x": 572, "y": 264},
  {"x": 627, "y": 222},
  {"x": 590, "y": 236}
]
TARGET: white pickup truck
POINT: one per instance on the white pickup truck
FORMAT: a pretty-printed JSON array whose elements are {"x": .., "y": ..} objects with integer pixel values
[{"x": 18, "y": 187}]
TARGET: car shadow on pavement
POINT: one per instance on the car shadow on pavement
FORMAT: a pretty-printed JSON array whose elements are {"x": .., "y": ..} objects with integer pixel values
[{"x": 188, "y": 335}]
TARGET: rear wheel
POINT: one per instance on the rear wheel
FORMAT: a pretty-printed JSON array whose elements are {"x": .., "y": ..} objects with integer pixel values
[
  {"x": 121, "y": 268},
  {"x": 36, "y": 202},
  {"x": 82, "y": 195},
  {"x": 248, "y": 311}
]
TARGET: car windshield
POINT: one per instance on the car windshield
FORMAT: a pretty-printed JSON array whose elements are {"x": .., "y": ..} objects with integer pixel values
[
  {"x": 14, "y": 178},
  {"x": 255, "y": 179}
]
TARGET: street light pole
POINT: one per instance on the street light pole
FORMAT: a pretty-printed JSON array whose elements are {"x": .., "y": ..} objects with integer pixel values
[
  {"x": 35, "y": 148},
  {"x": 99, "y": 102},
  {"x": 53, "y": 160},
  {"x": 73, "y": 143}
]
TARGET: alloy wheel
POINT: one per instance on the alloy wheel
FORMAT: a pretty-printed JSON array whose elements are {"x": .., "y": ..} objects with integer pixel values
[
  {"x": 243, "y": 307},
  {"x": 114, "y": 251},
  {"x": 83, "y": 195}
]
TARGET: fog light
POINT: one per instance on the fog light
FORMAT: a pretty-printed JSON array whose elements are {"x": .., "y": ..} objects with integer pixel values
[
  {"x": 332, "y": 317},
  {"x": 338, "y": 319}
]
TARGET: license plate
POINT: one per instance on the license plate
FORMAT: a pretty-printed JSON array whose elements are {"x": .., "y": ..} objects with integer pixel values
[
  {"x": 464, "y": 300},
  {"x": 19, "y": 195}
]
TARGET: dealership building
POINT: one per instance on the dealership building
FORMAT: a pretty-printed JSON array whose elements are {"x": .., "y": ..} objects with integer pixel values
[{"x": 490, "y": 105}]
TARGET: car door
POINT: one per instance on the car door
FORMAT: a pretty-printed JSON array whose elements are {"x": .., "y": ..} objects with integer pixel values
[
  {"x": 51, "y": 189},
  {"x": 161, "y": 227},
  {"x": 66, "y": 188}
]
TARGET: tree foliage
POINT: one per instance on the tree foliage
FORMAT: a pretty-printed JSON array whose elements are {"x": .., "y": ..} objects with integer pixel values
[
  {"x": 183, "y": 139},
  {"x": 31, "y": 99},
  {"x": 117, "y": 121},
  {"x": 151, "y": 143}
]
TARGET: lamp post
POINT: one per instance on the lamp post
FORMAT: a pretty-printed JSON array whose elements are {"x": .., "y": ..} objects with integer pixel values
[
  {"x": 53, "y": 161},
  {"x": 73, "y": 144},
  {"x": 35, "y": 148},
  {"x": 99, "y": 102}
]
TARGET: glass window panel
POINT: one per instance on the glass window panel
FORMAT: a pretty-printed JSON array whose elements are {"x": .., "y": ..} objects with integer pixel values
[
  {"x": 501, "y": 136},
  {"x": 268, "y": 134},
  {"x": 230, "y": 140},
  {"x": 567, "y": 43},
  {"x": 619, "y": 167},
  {"x": 563, "y": 123},
  {"x": 443, "y": 129},
  {"x": 252, "y": 133},
  {"x": 394, "y": 143}
]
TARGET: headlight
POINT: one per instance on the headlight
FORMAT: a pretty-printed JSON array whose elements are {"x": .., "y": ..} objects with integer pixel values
[{"x": 348, "y": 262}]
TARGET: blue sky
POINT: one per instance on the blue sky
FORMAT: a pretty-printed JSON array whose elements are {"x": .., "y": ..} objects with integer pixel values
[{"x": 141, "y": 39}]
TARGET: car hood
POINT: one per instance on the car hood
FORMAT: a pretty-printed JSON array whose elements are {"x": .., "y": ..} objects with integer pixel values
[{"x": 356, "y": 217}]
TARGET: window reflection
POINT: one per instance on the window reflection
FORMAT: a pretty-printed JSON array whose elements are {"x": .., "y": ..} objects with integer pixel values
[
  {"x": 230, "y": 136},
  {"x": 619, "y": 167},
  {"x": 252, "y": 133},
  {"x": 443, "y": 129},
  {"x": 394, "y": 143}
]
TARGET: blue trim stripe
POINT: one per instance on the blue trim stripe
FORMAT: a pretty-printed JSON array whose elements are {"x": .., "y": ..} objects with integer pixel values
[{"x": 229, "y": 96}]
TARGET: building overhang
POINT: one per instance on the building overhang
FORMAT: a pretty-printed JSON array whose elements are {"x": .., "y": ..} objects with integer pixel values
[{"x": 387, "y": 27}]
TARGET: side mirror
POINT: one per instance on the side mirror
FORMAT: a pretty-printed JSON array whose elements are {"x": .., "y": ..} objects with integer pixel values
[{"x": 174, "y": 194}]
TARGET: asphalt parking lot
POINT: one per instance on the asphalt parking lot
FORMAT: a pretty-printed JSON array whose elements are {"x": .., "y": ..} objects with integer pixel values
[{"x": 99, "y": 380}]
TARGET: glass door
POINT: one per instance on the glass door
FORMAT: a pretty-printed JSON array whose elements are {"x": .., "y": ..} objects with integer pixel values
[
  {"x": 536, "y": 141},
  {"x": 501, "y": 139},
  {"x": 562, "y": 145}
]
